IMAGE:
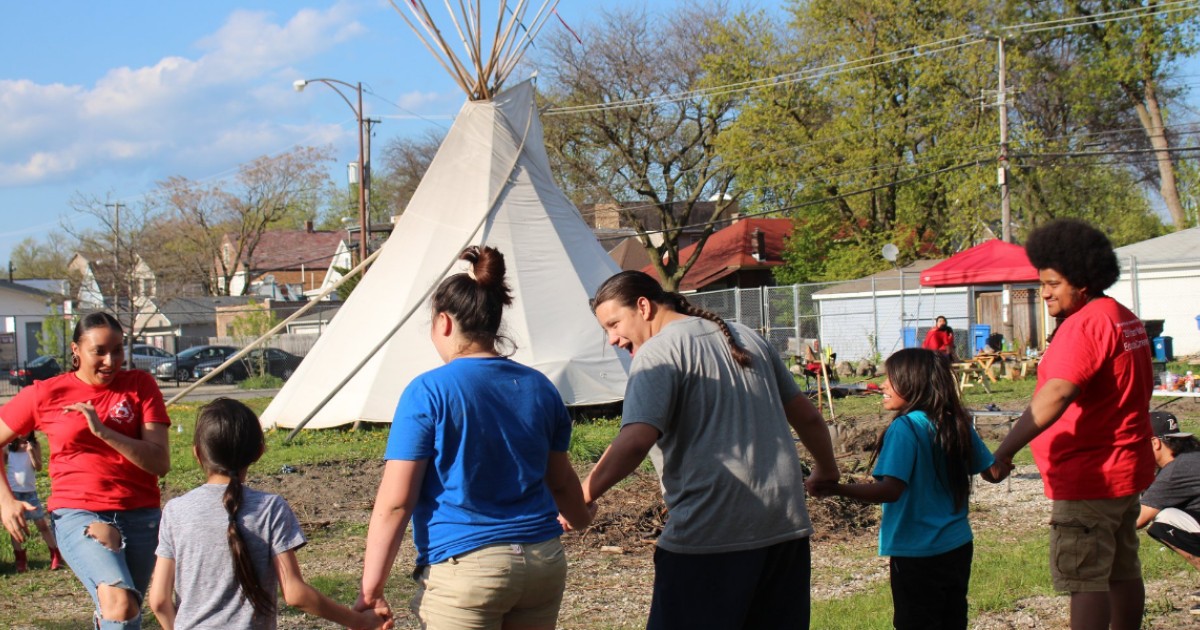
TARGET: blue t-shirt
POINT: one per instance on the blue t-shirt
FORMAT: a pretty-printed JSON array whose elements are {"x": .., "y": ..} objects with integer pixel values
[
  {"x": 487, "y": 427},
  {"x": 923, "y": 521}
]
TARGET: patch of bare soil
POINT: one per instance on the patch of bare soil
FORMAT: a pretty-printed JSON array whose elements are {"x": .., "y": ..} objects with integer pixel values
[{"x": 611, "y": 574}]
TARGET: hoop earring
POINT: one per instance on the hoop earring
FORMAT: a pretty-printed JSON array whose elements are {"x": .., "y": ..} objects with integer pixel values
[{"x": 74, "y": 361}]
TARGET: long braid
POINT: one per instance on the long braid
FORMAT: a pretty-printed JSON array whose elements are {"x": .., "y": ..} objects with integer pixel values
[
  {"x": 228, "y": 439},
  {"x": 243, "y": 567},
  {"x": 687, "y": 308}
]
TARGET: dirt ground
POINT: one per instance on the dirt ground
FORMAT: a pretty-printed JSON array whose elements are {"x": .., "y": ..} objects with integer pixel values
[{"x": 611, "y": 562}]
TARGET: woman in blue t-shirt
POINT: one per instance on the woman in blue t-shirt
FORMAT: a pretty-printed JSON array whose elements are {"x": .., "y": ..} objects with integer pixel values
[
  {"x": 477, "y": 458},
  {"x": 922, "y": 468}
]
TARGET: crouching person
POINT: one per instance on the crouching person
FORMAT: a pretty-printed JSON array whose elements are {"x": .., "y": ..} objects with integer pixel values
[{"x": 1171, "y": 505}]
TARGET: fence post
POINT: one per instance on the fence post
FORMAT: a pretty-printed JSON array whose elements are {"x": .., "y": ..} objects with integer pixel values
[
  {"x": 875, "y": 314},
  {"x": 796, "y": 315}
]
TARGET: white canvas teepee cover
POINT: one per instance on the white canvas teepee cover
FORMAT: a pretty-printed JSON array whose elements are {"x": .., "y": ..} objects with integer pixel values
[{"x": 490, "y": 183}]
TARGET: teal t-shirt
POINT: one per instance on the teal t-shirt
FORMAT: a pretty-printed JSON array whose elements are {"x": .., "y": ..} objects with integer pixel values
[
  {"x": 487, "y": 427},
  {"x": 923, "y": 521}
]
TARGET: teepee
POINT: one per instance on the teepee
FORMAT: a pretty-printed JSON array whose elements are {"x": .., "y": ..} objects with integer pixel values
[{"x": 489, "y": 183}]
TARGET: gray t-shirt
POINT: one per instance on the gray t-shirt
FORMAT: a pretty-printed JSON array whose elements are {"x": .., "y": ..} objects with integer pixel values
[
  {"x": 1177, "y": 485},
  {"x": 726, "y": 458},
  {"x": 194, "y": 533}
]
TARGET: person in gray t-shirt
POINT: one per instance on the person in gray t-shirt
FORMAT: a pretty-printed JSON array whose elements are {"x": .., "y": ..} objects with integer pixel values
[
  {"x": 1171, "y": 505},
  {"x": 225, "y": 550},
  {"x": 713, "y": 405}
]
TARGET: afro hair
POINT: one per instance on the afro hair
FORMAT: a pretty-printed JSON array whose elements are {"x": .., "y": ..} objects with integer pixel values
[{"x": 1079, "y": 252}]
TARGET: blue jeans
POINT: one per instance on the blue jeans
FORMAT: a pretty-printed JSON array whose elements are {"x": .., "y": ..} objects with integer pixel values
[{"x": 94, "y": 564}]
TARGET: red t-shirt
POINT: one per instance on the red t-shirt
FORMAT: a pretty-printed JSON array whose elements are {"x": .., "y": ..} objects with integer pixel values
[
  {"x": 86, "y": 473},
  {"x": 1100, "y": 447},
  {"x": 940, "y": 340}
]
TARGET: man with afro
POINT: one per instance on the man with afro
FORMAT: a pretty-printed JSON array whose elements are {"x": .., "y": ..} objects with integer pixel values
[{"x": 1088, "y": 426}]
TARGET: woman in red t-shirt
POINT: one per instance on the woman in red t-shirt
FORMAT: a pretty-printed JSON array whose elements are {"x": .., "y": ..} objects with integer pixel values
[
  {"x": 1088, "y": 426},
  {"x": 107, "y": 430},
  {"x": 940, "y": 338}
]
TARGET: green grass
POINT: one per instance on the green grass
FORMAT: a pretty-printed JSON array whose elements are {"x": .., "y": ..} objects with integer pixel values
[
  {"x": 1003, "y": 572},
  {"x": 264, "y": 381}
]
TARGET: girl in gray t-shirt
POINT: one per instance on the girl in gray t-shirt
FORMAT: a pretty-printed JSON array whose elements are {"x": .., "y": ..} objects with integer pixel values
[{"x": 224, "y": 550}]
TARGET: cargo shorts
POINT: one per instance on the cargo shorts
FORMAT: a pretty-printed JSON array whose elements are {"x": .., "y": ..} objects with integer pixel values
[{"x": 1094, "y": 542}]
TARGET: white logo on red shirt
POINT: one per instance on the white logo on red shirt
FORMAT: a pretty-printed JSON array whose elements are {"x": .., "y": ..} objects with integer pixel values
[{"x": 122, "y": 412}]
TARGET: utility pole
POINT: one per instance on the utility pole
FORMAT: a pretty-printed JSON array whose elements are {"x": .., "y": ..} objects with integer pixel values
[
  {"x": 118, "y": 273},
  {"x": 1006, "y": 324},
  {"x": 365, "y": 180}
]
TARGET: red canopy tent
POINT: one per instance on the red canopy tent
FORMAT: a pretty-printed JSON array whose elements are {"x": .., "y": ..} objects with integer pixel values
[{"x": 992, "y": 262}]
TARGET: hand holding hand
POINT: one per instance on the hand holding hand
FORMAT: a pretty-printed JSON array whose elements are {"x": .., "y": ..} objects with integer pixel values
[
  {"x": 821, "y": 483},
  {"x": 372, "y": 619},
  {"x": 88, "y": 412},
  {"x": 592, "y": 509},
  {"x": 998, "y": 471},
  {"x": 378, "y": 609}
]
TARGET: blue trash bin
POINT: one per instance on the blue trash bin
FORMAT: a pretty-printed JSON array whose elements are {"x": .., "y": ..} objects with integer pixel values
[
  {"x": 1162, "y": 349},
  {"x": 910, "y": 337},
  {"x": 979, "y": 335}
]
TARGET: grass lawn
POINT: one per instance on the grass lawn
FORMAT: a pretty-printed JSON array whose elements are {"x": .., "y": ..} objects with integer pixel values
[{"x": 1007, "y": 569}]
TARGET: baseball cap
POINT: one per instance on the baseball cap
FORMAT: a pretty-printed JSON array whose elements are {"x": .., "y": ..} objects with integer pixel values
[{"x": 1165, "y": 424}]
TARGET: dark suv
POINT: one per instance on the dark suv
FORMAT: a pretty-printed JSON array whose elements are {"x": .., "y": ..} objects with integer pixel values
[
  {"x": 180, "y": 368},
  {"x": 38, "y": 369}
]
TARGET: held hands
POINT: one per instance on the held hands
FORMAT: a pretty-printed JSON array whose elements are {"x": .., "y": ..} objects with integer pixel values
[
  {"x": 376, "y": 613},
  {"x": 821, "y": 484},
  {"x": 372, "y": 619},
  {"x": 999, "y": 470},
  {"x": 592, "y": 509},
  {"x": 89, "y": 412}
]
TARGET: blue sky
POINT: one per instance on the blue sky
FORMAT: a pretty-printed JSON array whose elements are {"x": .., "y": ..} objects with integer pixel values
[{"x": 106, "y": 98}]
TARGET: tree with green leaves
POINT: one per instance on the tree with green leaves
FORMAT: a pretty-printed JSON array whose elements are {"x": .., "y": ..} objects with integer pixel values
[
  {"x": 866, "y": 136},
  {"x": 46, "y": 257},
  {"x": 54, "y": 337},
  {"x": 254, "y": 320}
]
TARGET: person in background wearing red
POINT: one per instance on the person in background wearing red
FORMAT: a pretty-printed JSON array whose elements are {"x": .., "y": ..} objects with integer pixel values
[
  {"x": 107, "y": 430},
  {"x": 1089, "y": 427},
  {"x": 940, "y": 338}
]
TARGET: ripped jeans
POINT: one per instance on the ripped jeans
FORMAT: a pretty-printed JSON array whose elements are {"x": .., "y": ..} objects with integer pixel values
[{"x": 94, "y": 564}]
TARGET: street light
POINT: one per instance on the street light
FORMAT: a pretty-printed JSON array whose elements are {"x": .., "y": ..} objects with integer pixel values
[{"x": 363, "y": 172}]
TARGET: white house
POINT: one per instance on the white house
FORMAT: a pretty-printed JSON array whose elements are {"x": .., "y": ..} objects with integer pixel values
[
  {"x": 22, "y": 310},
  {"x": 872, "y": 316},
  {"x": 1160, "y": 279}
]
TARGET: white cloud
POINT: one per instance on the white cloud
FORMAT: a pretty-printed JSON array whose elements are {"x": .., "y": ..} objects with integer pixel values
[{"x": 219, "y": 109}]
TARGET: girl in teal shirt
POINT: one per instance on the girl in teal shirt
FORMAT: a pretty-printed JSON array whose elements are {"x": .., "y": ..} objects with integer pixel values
[{"x": 922, "y": 469}]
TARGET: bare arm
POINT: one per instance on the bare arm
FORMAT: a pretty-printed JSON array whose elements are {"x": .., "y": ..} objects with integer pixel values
[
  {"x": 394, "y": 504},
  {"x": 162, "y": 593},
  {"x": 12, "y": 511},
  {"x": 298, "y": 593},
  {"x": 884, "y": 490},
  {"x": 564, "y": 486},
  {"x": 150, "y": 452},
  {"x": 1044, "y": 410},
  {"x": 35, "y": 453},
  {"x": 810, "y": 426},
  {"x": 1146, "y": 516},
  {"x": 620, "y": 459}
]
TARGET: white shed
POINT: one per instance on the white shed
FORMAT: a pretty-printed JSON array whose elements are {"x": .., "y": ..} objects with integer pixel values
[{"x": 1160, "y": 279}]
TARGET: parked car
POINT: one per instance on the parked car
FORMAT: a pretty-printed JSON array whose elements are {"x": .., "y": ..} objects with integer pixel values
[
  {"x": 277, "y": 363},
  {"x": 181, "y": 366},
  {"x": 148, "y": 358},
  {"x": 38, "y": 369}
]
